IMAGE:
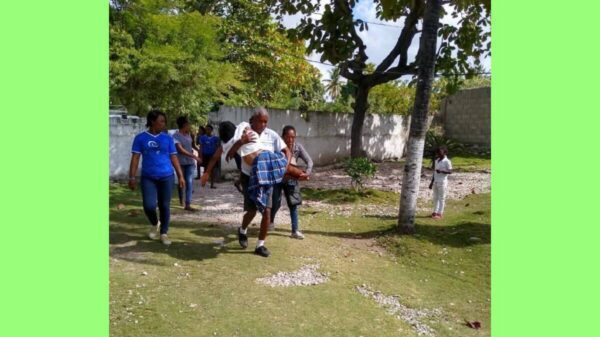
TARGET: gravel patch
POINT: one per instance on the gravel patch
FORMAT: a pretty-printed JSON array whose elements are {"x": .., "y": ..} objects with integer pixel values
[
  {"x": 394, "y": 307},
  {"x": 389, "y": 178},
  {"x": 305, "y": 276}
]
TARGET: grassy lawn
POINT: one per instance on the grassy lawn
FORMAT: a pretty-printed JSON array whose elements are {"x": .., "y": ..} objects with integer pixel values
[{"x": 200, "y": 287}]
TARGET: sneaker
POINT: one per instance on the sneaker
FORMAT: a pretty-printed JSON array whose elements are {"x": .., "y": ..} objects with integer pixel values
[
  {"x": 433, "y": 215},
  {"x": 262, "y": 251},
  {"x": 242, "y": 238},
  {"x": 298, "y": 235},
  {"x": 165, "y": 239},
  {"x": 153, "y": 234}
]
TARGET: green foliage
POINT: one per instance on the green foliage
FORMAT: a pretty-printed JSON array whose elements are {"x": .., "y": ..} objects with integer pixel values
[
  {"x": 186, "y": 56},
  {"x": 359, "y": 169},
  {"x": 434, "y": 140},
  {"x": 391, "y": 98}
]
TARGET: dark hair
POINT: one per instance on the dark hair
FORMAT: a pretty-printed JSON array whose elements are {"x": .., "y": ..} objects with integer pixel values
[
  {"x": 181, "y": 121},
  {"x": 226, "y": 131},
  {"x": 208, "y": 126},
  {"x": 443, "y": 149},
  {"x": 286, "y": 129},
  {"x": 153, "y": 116}
]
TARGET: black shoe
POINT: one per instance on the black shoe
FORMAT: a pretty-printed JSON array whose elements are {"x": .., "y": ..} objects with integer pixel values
[
  {"x": 262, "y": 251},
  {"x": 243, "y": 239}
]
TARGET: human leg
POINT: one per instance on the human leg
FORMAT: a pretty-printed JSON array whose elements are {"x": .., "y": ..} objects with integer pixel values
[{"x": 164, "y": 189}]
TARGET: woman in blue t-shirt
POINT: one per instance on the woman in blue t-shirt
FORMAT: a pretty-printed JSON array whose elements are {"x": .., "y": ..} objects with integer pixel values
[{"x": 159, "y": 157}]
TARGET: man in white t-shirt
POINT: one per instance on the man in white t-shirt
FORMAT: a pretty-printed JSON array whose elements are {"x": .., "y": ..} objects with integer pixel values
[
  {"x": 248, "y": 145},
  {"x": 443, "y": 167}
]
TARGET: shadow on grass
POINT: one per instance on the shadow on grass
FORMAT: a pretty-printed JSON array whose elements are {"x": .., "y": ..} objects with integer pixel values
[
  {"x": 139, "y": 248},
  {"x": 463, "y": 234}
]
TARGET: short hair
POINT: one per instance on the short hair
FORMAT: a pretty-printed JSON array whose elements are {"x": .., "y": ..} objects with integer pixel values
[
  {"x": 182, "y": 121},
  {"x": 208, "y": 126},
  {"x": 153, "y": 116},
  {"x": 286, "y": 129},
  {"x": 443, "y": 149},
  {"x": 226, "y": 131},
  {"x": 259, "y": 111}
]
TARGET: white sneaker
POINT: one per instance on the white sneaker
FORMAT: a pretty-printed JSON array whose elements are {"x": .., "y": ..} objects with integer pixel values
[
  {"x": 153, "y": 234},
  {"x": 298, "y": 235},
  {"x": 165, "y": 239}
]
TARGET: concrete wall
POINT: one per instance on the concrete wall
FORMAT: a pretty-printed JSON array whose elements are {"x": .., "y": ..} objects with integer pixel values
[
  {"x": 122, "y": 132},
  {"x": 326, "y": 136},
  {"x": 466, "y": 117}
]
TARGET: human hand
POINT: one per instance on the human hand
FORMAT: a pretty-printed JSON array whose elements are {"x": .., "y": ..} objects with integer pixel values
[
  {"x": 204, "y": 179},
  {"x": 181, "y": 183},
  {"x": 132, "y": 184}
]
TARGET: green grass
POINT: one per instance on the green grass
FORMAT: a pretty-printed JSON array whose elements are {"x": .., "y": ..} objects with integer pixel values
[
  {"x": 348, "y": 195},
  {"x": 466, "y": 163},
  {"x": 424, "y": 270}
]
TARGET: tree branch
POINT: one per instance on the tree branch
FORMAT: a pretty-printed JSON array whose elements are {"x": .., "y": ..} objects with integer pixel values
[
  {"x": 404, "y": 40},
  {"x": 393, "y": 74},
  {"x": 344, "y": 71},
  {"x": 345, "y": 7}
]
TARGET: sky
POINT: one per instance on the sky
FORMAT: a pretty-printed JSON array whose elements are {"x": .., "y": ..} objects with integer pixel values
[{"x": 378, "y": 39}]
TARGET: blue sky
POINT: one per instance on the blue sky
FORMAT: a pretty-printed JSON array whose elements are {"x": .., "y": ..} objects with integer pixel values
[{"x": 378, "y": 39}]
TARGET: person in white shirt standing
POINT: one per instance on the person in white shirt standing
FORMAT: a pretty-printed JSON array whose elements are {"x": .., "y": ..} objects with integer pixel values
[{"x": 443, "y": 167}]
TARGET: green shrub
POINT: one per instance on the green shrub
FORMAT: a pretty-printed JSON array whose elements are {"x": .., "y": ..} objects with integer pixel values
[
  {"x": 359, "y": 169},
  {"x": 434, "y": 140}
]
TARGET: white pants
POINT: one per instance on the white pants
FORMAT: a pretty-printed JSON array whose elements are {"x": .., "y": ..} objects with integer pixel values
[{"x": 439, "y": 197}]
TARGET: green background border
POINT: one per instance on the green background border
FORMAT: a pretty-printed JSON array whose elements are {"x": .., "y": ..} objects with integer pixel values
[{"x": 54, "y": 243}]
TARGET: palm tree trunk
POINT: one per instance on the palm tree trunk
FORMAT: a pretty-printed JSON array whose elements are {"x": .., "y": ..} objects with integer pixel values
[
  {"x": 418, "y": 123},
  {"x": 360, "y": 109}
]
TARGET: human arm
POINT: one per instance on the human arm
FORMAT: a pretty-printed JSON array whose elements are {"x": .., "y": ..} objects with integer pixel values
[
  {"x": 183, "y": 151},
  {"x": 177, "y": 167},
  {"x": 306, "y": 157},
  {"x": 133, "y": 166},
  {"x": 211, "y": 164},
  {"x": 244, "y": 139}
]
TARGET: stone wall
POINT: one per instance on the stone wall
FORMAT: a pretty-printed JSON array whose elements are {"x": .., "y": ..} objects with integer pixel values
[{"x": 466, "y": 117}]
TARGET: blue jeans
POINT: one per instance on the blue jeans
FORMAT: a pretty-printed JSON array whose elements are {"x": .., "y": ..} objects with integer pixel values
[
  {"x": 157, "y": 192},
  {"x": 188, "y": 176},
  {"x": 277, "y": 189}
]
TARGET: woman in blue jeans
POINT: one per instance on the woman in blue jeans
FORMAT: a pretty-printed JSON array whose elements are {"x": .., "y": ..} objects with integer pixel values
[
  {"x": 160, "y": 156},
  {"x": 185, "y": 154},
  {"x": 290, "y": 186}
]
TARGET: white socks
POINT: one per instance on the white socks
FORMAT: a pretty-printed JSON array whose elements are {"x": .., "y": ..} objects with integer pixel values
[
  {"x": 243, "y": 231},
  {"x": 260, "y": 243}
]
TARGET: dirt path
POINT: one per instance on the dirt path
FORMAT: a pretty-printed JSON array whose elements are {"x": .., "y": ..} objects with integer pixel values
[{"x": 224, "y": 205}]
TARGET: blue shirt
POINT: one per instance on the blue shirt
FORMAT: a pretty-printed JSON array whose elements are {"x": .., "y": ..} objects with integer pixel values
[
  {"x": 209, "y": 144},
  {"x": 156, "y": 153}
]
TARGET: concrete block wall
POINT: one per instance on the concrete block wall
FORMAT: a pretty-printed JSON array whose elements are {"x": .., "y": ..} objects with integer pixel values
[
  {"x": 466, "y": 117},
  {"x": 326, "y": 136}
]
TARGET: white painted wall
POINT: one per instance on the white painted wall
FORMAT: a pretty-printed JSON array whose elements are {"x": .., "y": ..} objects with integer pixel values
[
  {"x": 122, "y": 132},
  {"x": 326, "y": 136}
]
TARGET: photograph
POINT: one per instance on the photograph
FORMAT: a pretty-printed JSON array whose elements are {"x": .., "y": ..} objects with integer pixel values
[{"x": 299, "y": 168}]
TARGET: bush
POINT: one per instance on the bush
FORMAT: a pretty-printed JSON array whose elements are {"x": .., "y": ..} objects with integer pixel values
[
  {"x": 359, "y": 169},
  {"x": 434, "y": 140}
]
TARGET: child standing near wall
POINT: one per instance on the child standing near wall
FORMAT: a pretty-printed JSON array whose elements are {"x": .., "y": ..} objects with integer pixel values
[{"x": 443, "y": 167}]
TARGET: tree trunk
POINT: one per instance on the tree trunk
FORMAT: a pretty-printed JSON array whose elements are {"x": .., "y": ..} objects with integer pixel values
[
  {"x": 418, "y": 123},
  {"x": 360, "y": 109}
]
